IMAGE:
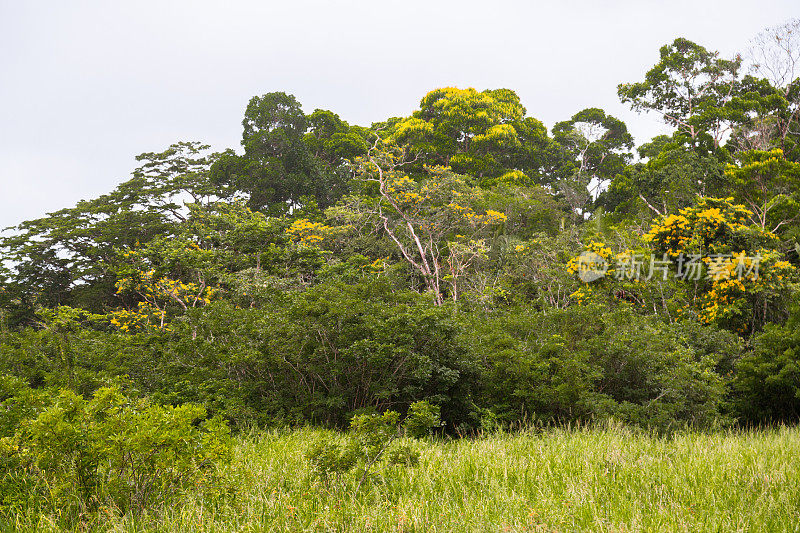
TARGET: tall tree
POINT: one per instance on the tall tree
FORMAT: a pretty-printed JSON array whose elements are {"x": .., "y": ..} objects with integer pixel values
[
  {"x": 769, "y": 185},
  {"x": 289, "y": 156},
  {"x": 63, "y": 258},
  {"x": 277, "y": 169},
  {"x": 601, "y": 146},
  {"x": 483, "y": 134},
  {"x": 689, "y": 87},
  {"x": 774, "y": 56}
]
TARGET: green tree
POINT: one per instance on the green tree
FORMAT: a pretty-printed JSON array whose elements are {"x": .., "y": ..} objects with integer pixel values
[
  {"x": 483, "y": 134},
  {"x": 769, "y": 185},
  {"x": 689, "y": 87},
  {"x": 63, "y": 258},
  {"x": 277, "y": 168},
  {"x": 601, "y": 145},
  {"x": 116, "y": 452},
  {"x": 289, "y": 156},
  {"x": 775, "y": 57},
  {"x": 670, "y": 179},
  {"x": 767, "y": 383}
]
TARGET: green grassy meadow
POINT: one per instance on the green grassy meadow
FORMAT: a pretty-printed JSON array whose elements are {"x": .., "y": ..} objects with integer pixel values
[{"x": 553, "y": 480}]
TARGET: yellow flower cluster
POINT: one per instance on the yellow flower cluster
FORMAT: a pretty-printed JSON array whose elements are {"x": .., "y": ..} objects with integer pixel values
[
  {"x": 402, "y": 191},
  {"x": 582, "y": 295},
  {"x": 709, "y": 221},
  {"x": 732, "y": 279},
  {"x": 491, "y": 217},
  {"x": 674, "y": 233},
  {"x": 494, "y": 217},
  {"x": 408, "y": 197},
  {"x": 128, "y": 321},
  {"x": 574, "y": 264},
  {"x": 309, "y": 233}
]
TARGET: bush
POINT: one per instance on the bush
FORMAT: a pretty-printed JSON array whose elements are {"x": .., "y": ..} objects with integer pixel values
[
  {"x": 766, "y": 388},
  {"x": 112, "y": 452},
  {"x": 322, "y": 356},
  {"x": 374, "y": 443},
  {"x": 581, "y": 363}
]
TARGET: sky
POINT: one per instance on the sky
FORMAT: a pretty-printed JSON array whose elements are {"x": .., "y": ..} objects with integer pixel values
[{"x": 86, "y": 86}]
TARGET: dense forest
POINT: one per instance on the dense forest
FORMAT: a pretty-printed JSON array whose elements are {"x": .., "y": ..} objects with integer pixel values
[
  {"x": 329, "y": 269},
  {"x": 463, "y": 259},
  {"x": 462, "y": 269}
]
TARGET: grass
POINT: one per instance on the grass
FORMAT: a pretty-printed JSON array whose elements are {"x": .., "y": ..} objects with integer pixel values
[{"x": 557, "y": 480}]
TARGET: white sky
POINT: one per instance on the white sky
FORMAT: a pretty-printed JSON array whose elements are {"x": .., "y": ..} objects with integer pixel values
[{"x": 86, "y": 86}]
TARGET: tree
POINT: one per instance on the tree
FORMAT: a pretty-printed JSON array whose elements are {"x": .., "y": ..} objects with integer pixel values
[
  {"x": 63, "y": 258},
  {"x": 766, "y": 387},
  {"x": 670, "y": 179},
  {"x": 168, "y": 177},
  {"x": 583, "y": 363},
  {"x": 430, "y": 222},
  {"x": 289, "y": 156},
  {"x": 277, "y": 168},
  {"x": 735, "y": 275},
  {"x": 774, "y": 56},
  {"x": 144, "y": 276},
  {"x": 325, "y": 353},
  {"x": 600, "y": 144},
  {"x": 690, "y": 88},
  {"x": 483, "y": 134},
  {"x": 769, "y": 185}
]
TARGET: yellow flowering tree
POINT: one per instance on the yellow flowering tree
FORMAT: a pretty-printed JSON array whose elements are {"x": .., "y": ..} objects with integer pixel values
[
  {"x": 432, "y": 221},
  {"x": 735, "y": 274},
  {"x": 485, "y": 134},
  {"x": 155, "y": 293},
  {"x": 304, "y": 231},
  {"x": 629, "y": 276},
  {"x": 712, "y": 225}
]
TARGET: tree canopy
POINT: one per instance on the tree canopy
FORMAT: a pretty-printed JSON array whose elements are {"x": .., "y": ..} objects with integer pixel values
[{"x": 464, "y": 255}]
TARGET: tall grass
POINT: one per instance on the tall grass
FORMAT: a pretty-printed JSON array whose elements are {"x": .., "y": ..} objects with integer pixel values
[{"x": 611, "y": 479}]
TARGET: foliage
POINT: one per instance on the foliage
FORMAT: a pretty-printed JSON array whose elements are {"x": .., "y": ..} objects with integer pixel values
[
  {"x": 484, "y": 134},
  {"x": 669, "y": 180},
  {"x": 110, "y": 452},
  {"x": 691, "y": 88},
  {"x": 374, "y": 444},
  {"x": 462, "y": 255},
  {"x": 62, "y": 259},
  {"x": 767, "y": 382},
  {"x": 289, "y": 156},
  {"x": 769, "y": 184},
  {"x": 581, "y": 364},
  {"x": 736, "y": 271},
  {"x": 320, "y": 356},
  {"x": 432, "y": 222},
  {"x": 600, "y": 143}
]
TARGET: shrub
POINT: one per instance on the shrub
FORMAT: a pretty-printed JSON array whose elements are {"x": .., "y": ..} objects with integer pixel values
[
  {"x": 374, "y": 443},
  {"x": 112, "y": 451},
  {"x": 581, "y": 363},
  {"x": 766, "y": 387},
  {"x": 322, "y": 356}
]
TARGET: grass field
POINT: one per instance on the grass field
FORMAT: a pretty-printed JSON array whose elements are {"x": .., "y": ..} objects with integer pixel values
[{"x": 556, "y": 480}]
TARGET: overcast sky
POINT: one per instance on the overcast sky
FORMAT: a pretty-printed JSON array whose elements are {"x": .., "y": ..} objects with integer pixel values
[{"x": 85, "y": 86}]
